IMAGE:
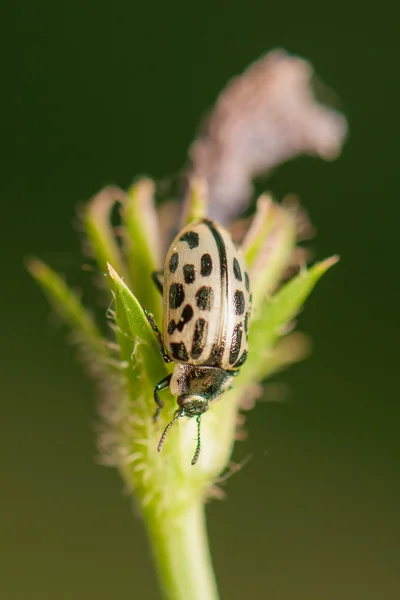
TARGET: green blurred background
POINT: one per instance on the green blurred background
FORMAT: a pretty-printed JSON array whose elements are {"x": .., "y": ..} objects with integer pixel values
[{"x": 97, "y": 92}]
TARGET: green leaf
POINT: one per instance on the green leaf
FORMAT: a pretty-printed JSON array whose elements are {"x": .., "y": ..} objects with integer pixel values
[
  {"x": 274, "y": 317},
  {"x": 69, "y": 307},
  {"x": 142, "y": 243},
  {"x": 137, "y": 341},
  {"x": 100, "y": 232}
]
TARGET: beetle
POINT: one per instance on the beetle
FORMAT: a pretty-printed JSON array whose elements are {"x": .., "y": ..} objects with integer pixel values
[{"x": 206, "y": 310}]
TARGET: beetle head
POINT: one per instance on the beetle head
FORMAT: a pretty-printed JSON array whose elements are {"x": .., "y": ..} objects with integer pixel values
[{"x": 190, "y": 406}]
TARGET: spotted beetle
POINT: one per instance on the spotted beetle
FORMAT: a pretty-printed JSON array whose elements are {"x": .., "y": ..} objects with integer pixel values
[{"x": 207, "y": 304}]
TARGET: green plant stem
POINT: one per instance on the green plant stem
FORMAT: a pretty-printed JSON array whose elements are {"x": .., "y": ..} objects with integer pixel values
[{"x": 180, "y": 548}]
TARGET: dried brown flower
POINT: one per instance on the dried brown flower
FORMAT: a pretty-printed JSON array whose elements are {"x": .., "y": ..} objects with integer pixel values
[{"x": 263, "y": 117}]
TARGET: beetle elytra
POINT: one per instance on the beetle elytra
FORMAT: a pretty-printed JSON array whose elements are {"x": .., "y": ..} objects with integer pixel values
[{"x": 206, "y": 311}]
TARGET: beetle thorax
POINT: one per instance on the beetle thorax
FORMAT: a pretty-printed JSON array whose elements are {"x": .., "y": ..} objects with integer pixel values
[{"x": 196, "y": 386}]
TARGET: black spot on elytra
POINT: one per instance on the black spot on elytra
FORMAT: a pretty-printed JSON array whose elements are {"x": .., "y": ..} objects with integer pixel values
[
  {"x": 238, "y": 299},
  {"x": 199, "y": 337},
  {"x": 235, "y": 343},
  {"x": 247, "y": 281},
  {"x": 242, "y": 359},
  {"x": 223, "y": 260},
  {"x": 178, "y": 351},
  {"x": 171, "y": 327},
  {"x": 236, "y": 269},
  {"x": 206, "y": 265},
  {"x": 192, "y": 239},
  {"x": 186, "y": 315},
  {"x": 205, "y": 297},
  {"x": 174, "y": 262},
  {"x": 176, "y": 295},
  {"x": 189, "y": 273}
]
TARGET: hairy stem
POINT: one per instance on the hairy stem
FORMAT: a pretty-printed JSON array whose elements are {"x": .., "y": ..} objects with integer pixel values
[{"x": 180, "y": 549}]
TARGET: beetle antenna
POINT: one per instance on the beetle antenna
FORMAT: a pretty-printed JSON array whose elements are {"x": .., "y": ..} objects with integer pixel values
[
  {"x": 198, "y": 447},
  {"x": 164, "y": 435}
]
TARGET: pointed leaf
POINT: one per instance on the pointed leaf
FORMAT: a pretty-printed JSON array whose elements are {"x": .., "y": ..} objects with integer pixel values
[
  {"x": 137, "y": 340},
  {"x": 276, "y": 312},
  {"x": 100, "y": 232},
  {"x": 268, "y": 353},
  {"x": 142, "y": 242},
  {"x": 70, "y": 308}
]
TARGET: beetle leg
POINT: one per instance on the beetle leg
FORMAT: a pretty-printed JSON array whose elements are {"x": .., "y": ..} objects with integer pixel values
[
  {"x": 156, "y": 277},
  {"x": 160, "y": 342},
  {"x": 164, "y": 383}
]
